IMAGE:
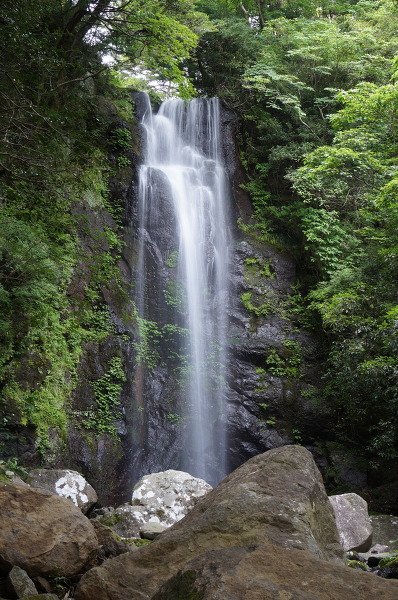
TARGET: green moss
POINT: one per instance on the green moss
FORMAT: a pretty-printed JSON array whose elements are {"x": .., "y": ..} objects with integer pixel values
[
  {"x": 285, "y": 362},
  {"x": 139, "y": 542},
  {"x": 111, "y": 520},
  {"x": 256, "y": 306},
  {"x": 357, "y": 564},
  {"x": 181, "y": 587},
  {"x": 258, "y": 268},
  {"x": 389, "y": 560},
  {"x": 174, "y": 418}
]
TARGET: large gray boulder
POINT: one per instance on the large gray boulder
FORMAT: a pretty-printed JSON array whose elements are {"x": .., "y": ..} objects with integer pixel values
[
  {"x": 168, "y": 496},
  {"x": 353, "y": 522},
  {"x": 43, "y": 534},
  {"x": 277, "y": 497},
  {"x": 162, "y": 498},
  {"x": 67, "y": 484}
]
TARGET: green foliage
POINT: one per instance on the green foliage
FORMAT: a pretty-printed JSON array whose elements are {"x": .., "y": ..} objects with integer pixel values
[
  {"x": 172, "y": 259},
  {"x": 174, "y": 295},
  {"x": 174, "y": 418},
  {"x": 297, "y": 437},
  {"x": 120, "y": 139},
  {"x": 147, "y": 347},
  {"x": 12, "y": 464},
  {"x": 107, "y": 391},
  {"x": 285, "y": 362},
  {"x": 315, "y": 88},
  {"x": 123, "y": 161},
  {"x": 43, "y": 326},
  {"x": 259, "y": 310},
  {"x": 36, "y": 337},
  {"x": 221, "y": 56}
]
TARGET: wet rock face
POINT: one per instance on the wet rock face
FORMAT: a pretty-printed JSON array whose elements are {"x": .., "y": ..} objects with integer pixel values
[{"x": 273, "y": 364}]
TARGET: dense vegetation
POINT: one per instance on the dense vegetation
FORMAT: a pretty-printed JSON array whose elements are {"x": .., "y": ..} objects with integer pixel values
[
  {"x": 314, "y": 86},
  {"x": 55, "y": 92}
]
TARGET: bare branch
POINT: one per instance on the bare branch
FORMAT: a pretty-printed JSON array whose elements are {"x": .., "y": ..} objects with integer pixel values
[{"x": 89, "y": 76}]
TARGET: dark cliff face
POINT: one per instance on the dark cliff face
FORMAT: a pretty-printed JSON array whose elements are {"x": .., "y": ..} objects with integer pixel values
[{"x": 272, "y": 363}]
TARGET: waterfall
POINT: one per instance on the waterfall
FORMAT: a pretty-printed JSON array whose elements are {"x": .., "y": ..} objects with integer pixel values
[{"x": 183, "y": 167}]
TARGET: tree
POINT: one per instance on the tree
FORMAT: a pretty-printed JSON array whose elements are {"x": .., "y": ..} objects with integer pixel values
[{"x": 50, "y": 49}]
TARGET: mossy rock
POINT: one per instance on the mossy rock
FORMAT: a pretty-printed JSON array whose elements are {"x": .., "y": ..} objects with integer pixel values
[
  {"x": 387, "y": 560},
  {"x": 139, "y": 542},
  {"x": 390, "y": 569},
  {"x": 357, "y": 564}
]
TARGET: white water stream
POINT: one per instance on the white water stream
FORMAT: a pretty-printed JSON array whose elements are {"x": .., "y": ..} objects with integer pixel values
[{"x": 183, "y": 143}]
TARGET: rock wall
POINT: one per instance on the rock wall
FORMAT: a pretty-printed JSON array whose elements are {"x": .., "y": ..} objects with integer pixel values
[{"x": 273, "y": 361}]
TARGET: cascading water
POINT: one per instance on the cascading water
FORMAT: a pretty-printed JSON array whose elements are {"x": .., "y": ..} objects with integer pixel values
[{"x": 183, "y": 152}]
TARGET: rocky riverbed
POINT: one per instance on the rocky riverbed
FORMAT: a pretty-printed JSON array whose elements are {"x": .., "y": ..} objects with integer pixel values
[{"x": 267, "y": 531}]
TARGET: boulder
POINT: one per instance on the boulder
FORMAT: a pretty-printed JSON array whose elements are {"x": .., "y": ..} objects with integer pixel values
[
  {"x": 20, "y": 584},
  {"x": 150, "y": 531},
  {"x": 42, "y": 584},
  {"x": 67, "y": 484},
  {"x": 162, "y": 498},
  {"x": 389, "y": 568},
  {"x": 271, "y": 573},
  {"x": 378, "y": 549},
  {"x": 110, "y": 544},
  {"x": 353, "y": 522},
  {"x": 277, "y": 497},
  {"x": 168, "y": 496},
  {"x": 43, "y": 533},
  {"x": 125, "y": 520}
]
